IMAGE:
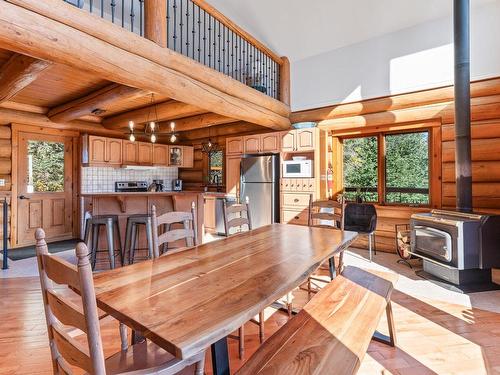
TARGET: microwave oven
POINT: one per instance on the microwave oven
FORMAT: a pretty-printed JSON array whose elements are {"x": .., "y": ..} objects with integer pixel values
[{"x": 297, "y": 169}]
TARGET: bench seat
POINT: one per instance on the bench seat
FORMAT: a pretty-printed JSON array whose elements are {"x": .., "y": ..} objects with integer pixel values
[{"x": 332, "y": 333}]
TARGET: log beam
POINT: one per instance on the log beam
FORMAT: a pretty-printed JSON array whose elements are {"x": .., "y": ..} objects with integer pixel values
[
  {"x": 236, "y": 128},
  {"x": 101, "y": 98},
  {"x": 285, "y": 89},
  {"x": 170, "y": 110},
  {"x": 19, "y": 72},
  {"x": 155, "y": 21},
  {"x": 198, "y": 122},
  {"x": 55, "y": 31}
]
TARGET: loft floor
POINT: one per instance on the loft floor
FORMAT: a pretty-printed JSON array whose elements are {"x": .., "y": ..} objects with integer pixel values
[{"x": 439, "y": 332}]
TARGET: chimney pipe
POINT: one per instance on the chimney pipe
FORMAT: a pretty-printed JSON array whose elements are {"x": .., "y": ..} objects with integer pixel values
[{"x": 463, "y": 163}]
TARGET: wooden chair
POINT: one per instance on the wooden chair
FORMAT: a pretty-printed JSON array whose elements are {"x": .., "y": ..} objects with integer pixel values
[
  {"x": 332, "y": 333},
  {"x": 237, "y": 217},
  {"x": 61, "y": 313},
  {"x": 187, "y": 233},
  {"x": 331, "y": 211}
]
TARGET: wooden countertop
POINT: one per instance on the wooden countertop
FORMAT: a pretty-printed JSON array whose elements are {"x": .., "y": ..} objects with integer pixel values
[{"x": 154, "y": 193}]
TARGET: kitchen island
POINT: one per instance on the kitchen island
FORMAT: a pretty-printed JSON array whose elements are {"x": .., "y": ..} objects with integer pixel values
[{"x": 129, "y": 203}]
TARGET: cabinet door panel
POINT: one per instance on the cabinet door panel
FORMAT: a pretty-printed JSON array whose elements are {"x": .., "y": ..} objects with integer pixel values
[
  {"x": 252, "y": 144},
  {"x": 305, "y": 139},
  {"x": 270, "y": 142},
  {"x": 233, "y": 175},
  {"x": 129, "y": 150},
  {"x": 175, "y": 156},
  {"x": 114, "y": 151},
  {"x": 234, "y": 145},
  {"x": 299, "y": 217},
  {"x": 97, "y": 149},
  {"x": 187, "y": 157},
  {"x": 145, "y": 156},
  {"x": 160, "y": 155},
  {"x": 288, "y": 141}
]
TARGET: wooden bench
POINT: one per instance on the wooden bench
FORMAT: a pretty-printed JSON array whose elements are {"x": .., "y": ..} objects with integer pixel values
[{"x": 332, "y": 333}]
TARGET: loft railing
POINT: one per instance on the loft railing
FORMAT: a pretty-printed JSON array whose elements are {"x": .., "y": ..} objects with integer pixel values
[{"x": 200, "y": 32}]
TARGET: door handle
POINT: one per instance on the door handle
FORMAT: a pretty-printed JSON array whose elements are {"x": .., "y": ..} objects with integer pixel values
[{"x": 23, "y": 197}]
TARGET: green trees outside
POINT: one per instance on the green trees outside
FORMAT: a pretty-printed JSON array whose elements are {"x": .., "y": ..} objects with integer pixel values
[
  {"x": 47, "y": 166},
  {"x": 406, "y": 169}
]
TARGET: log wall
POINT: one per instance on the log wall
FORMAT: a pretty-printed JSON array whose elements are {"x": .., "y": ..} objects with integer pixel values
[
  {"x": 433, "y": 109},
  {"x": 5, "y": 173}
]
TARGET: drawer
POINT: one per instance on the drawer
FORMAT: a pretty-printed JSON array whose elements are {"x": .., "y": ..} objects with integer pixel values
[
  {"x": 294, "y": 216},
  {"x": 295, "y": 199},
  {"x": 291, "y": 184}
]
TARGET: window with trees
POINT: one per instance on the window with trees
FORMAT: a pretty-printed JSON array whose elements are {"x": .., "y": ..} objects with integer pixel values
[{"x": 403, "y": 159}]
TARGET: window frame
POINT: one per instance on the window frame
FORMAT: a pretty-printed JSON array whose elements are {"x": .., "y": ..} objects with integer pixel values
[{"x": 381, "y": 166}]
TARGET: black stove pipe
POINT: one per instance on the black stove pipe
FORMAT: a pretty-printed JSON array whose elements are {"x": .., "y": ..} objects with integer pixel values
[{"x": 463, "y": 163}]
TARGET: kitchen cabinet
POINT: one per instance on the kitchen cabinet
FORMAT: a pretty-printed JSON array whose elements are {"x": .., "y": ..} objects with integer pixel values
[
  {"x": 270, "y": 142},
  {"x": 175, "y": 156},
  {"x": 101, "y": 151},
  {"x": 288, "y": 141},
  {"x": 187, "y": 157},
  {"x": 160, "y": 155},
  {"x": 130, "y": 153},
  {"x": 233, "y": 175},
  {"x": 210, "y": 220},
  {"x": 252, "y": 144},
  {"x": 301, "y": 140},
  {"x": 145, "y": 153},
  {"x": 234, "y": 145}
]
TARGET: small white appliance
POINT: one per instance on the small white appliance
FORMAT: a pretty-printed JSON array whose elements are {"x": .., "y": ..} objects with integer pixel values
[{"x": 297, "y": 169}]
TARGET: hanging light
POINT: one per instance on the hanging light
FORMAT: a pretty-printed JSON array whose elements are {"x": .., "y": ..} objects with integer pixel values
[
  {"x": 153, "y": 138},
  {"x": 131, "y": 131},
  {"x": 152, "y": 127},
  {"x": 209, "y": 146},
  {"x": 173, "y": 136}
]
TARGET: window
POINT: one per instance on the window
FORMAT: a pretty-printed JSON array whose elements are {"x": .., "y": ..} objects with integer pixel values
[
  {"x": 361, "y": 169},
  {"x": 407, "y": 168},
  {"x": 405, "y": 178},
  {"x": 45, "y": 167},
  {"x": 215, "y": 159}
]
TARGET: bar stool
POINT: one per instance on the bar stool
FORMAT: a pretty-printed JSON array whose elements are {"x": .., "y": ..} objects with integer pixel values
[
  {"x": 134, "y": 222},
  {"x": 93, "y": 225}
]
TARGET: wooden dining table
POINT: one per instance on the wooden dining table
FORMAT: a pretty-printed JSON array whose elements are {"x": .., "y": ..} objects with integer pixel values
[{"x": 188, "y": 301}]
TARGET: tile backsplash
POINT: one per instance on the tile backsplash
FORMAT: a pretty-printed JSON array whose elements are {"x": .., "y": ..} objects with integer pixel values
[{"x": 102, "y": 179}]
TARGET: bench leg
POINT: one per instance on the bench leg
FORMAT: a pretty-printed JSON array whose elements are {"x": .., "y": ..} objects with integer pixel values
[
  {"x": 241, "y": 341},
  {"x": 261, "y": 327},
  {"x": 384, "y": 339},
  {"x": 332, "y": 268}
]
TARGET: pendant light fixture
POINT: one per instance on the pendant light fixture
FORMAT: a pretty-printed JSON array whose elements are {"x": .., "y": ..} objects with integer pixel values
[
  {"x": 173, "y": 135},
  {"x": 152, "y": 127},
  {"x": 131, "y": 136},
  {"x": 210, "y": 146}
]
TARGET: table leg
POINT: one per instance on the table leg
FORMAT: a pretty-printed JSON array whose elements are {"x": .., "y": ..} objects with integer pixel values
[{"x": 220, "y": 357}]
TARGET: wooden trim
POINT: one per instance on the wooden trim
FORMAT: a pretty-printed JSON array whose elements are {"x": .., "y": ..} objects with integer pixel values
[
  {"x": 237, "y": 29},
  {"x": 85, "y": 105},
  {"x": 14, "y": 174},
  {"x": 435, "y": 167},
  {"x": 105, "y": 37},
  {"x": 18, "y": 73},
  {"x": 285, "y": 89},
  {"x": 381, "y": 164}
]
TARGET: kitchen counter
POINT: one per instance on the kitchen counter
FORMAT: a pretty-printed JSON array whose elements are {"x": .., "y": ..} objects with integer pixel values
[{"x": 156, "y": 193}]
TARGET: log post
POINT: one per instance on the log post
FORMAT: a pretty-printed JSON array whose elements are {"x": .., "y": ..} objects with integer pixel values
[
  {"x": 155, "y": 21},
  {"x": 285, "y": 81}
]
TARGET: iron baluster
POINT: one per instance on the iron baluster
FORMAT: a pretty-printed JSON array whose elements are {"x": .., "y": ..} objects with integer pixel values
[
  {"x": 175, "y": 25},
  {"x": 181, "y": 25},
  {"x": 199, "y": 34},
  {"x": 113, "y": 6},
  {"x": 187, "y": 28},
  {"x": 132, "y": 16},
  {"x": 168, "y": 23},
  {"x": 141, "y": 17}
]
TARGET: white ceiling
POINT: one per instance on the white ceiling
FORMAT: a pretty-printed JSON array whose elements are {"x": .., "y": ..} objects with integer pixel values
[{"x": 300, "y": 29}]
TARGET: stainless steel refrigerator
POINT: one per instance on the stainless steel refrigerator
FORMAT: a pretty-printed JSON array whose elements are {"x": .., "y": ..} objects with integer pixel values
[{"x": 260, "y": 183}]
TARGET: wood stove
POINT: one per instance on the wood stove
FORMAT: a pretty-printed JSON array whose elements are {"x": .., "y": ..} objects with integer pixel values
[{"x": 458, "y": 247}]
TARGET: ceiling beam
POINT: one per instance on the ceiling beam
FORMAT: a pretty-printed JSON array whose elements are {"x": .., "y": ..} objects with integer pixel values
[
  {"x": 96, "y": 100},
  {"x": 235, "y": 128},
  {"x": 19, "y": 72},
  {"x": 27, "y": 32},
  {"x": 197, "y": 122},
  {"x": 170, "y": 110}
]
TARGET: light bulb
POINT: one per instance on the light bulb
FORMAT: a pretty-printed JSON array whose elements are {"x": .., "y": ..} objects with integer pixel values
[
  {"x": 132, "y": 138},
  {"x": 209, "y": 144},
  {"x": 152, "y": 126},
  {"x": 173, "y": 138},
  {"x": 172, "y": 126},
  {"x": 131, "y": 125},
  {"x": 153, "y": 138}
]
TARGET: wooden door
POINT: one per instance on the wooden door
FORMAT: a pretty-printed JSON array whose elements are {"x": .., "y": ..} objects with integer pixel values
[
  {"x": 130, "y": 154},
  {"x": 288, "y": 141},
  {"x": 234, "y": 146},
  {"x": 270, "y": 142},
  {"x": 45, "y": 187},
  {"x": 145, "y": 156},
  {"x": 97, "y": 149},
  {"x": 114, "y": 151},
  {"x": 305, "y": 140},
  {"x": 160, "y": 155},
  {"x": 251, "y": 144},
  {"x": 187, "y": 157},
  {"x": 233, "y": 175}
]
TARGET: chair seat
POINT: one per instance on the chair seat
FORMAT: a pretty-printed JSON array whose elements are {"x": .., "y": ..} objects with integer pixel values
[
  {"x": 356, "y": 228},
  {"x": 145, "y": 355}
]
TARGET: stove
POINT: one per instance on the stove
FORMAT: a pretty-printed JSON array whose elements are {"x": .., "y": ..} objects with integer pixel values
[
  {"x": 131, "y": 186},
  {"x": 460, "y": 248}
]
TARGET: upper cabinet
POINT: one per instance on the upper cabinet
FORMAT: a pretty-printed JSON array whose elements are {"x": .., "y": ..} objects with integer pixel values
[
  {"x": 234, "y": 146},
  {"x": 261, "y": 143},
  {"x": 103, "y": 151},
  {"x": 298, "y": 140},
  {"x": 251, "y": 144}
]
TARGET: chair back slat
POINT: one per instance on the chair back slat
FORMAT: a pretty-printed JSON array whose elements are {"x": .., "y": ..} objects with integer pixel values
[
  {"x": 60, "y": 271},
  {"x": 336, "y": 214},
  {"x": 60, "y": 310},
  {"x": 66, "y": 311},
  {"x": 237, "y": 216},
  {"x": 187, "y": 233},
  {"x": 71, "y": 350}
]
